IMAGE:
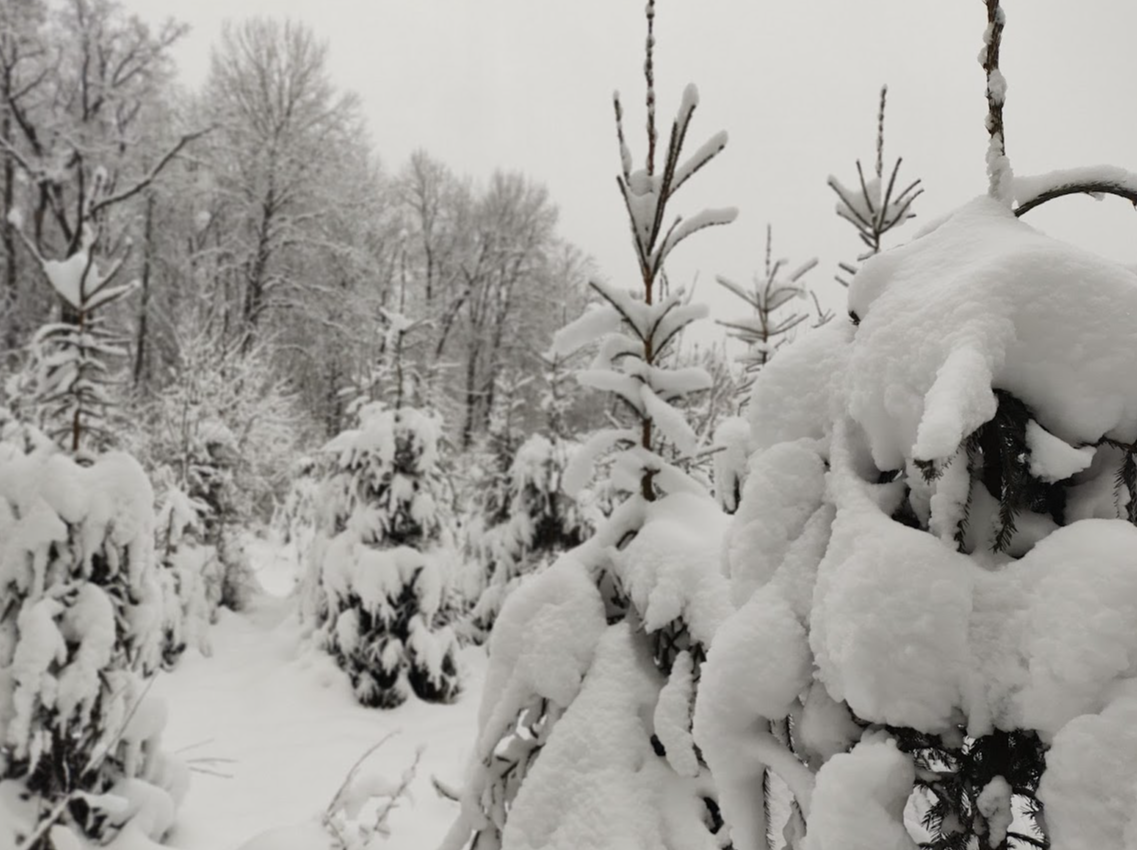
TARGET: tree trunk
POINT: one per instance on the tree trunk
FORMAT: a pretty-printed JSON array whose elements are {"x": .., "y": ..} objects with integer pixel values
[
  {"x": 141, "y": 361},
  {"x": 471, "y": 396},
  {"x": 10, "y": 293},
  {"x": 255, "y": 283}
]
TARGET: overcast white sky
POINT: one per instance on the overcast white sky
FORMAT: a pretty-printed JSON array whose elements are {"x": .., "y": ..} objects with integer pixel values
[{"x": 527, "y": 85}]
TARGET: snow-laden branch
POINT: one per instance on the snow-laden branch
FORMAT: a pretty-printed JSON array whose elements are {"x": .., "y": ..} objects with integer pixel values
[{"x": 1096, "y": 180}]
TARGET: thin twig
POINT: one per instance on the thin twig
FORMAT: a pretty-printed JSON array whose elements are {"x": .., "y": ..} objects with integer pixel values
[{"x": 332, "y": 806}]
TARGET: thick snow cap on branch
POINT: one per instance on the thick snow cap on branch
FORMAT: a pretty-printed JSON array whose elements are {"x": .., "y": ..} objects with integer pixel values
[
  {"x": 984, "y": 301},
  {"x": 861, "y": 797},
  {"x": 1029, "y": 189},
  {"x": 598, "y": 783},
  {"x": 801, "y": 392},
  {"x": 598, "y": 321},
  {"x": 669, "y": 570},
  {"x": 79, "y": 281}
]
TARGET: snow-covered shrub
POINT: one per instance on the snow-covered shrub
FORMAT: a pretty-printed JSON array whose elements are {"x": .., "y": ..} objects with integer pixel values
[
  {"x": 189, "y": 569},
  {"x": 79, "y": 628},
  {"x": 382, "y": 560},
  {"x": 764, "y": 332},
  {"x": 204, "y": 503},
  {"x": 584, "y": 730},
  {"x": 542, "y": 522},
  {"x": 219, "y": 432},
  {"x": 933, "y": 556},
  {"x": 80, "y": 623},
  {"x": 296, "y": 519}
]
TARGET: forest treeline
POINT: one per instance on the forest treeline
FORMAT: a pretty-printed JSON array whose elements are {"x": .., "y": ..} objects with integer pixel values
[{"x": 267, "y": 240}]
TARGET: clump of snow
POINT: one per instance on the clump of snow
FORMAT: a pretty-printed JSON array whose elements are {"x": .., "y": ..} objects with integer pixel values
[
  {"x": 731, "y": 445},
  {"x": 669, "y": 571},
  {"x": 1052, "y": 459},
  {"x": 932, "y": 326},
  {"x": 994, "y": 803},
  {"x": 859, "y": 800},
  {"x": 598, "y": 783}
]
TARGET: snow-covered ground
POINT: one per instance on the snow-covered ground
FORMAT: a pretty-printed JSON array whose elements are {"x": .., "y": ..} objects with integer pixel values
[{"x": 280, "y": 719}]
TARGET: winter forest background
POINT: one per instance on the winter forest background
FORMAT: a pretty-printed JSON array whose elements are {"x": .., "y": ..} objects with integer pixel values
[{"x": 362, "y": 484}]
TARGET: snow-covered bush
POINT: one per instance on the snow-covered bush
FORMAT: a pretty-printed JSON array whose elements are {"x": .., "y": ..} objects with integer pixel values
[
  {"x": 542, "y": 523},
  {"x": 382, "y": 560},
  {"x": 584, "y": 730},
  {"x": 934, "y": 554},
  {"x": 80, "y": 627},
  {"x": 191, "y": 575},
  {"x": 295, "y": 521},
  {"x": 219, "y": 432},
  {"x": 773, "y": 320}
]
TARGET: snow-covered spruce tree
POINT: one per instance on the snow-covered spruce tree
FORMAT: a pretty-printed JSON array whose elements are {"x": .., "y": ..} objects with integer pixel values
[
  {"x": 486, "y": 481},
  {"x": 763, "y": 332},
  {"x": 80, "y": 624},
  {"x": 67, "y": 378},
  {"x": 584, "y": 731},
  {"x": 874, "y": 207},
  {"x": 191, "y": 575},
  {"x": 541, "y": 520},
  {"x": 296, "y": 519},
  {"x": 933, "y": 560},
  {"x": 382, "y": 558}
]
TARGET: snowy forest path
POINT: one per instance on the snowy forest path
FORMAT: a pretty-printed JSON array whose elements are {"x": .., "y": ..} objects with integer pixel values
[{"x": 281, "y": 721}]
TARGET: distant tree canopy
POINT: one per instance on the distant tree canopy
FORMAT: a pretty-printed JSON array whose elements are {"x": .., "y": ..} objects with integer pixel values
[{"x": 256, "y": 213}]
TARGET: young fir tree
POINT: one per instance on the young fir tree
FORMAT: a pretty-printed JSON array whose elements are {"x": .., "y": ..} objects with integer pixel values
[
  {"x": 771, "y": 322},
  {"x": 541, "y": 521},
  {"x": 874, "y": 207},
  {"x": 763, "y": 332},
  {"x": 487, "y": 484},
  {"x": 382, "y": 558},
  {"x": 584, "y": 735},
  {"x": 924, "y": 537},
  {"x": 80, "y": 625}
]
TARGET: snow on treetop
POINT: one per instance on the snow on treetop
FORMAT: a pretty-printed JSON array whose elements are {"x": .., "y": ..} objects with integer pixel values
[
  {"x": 982, "y": 301},
  {"x": 78, "y": 280},
  {"x": 376, "y": 436},
  {"x": 111, "y": 498}
]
